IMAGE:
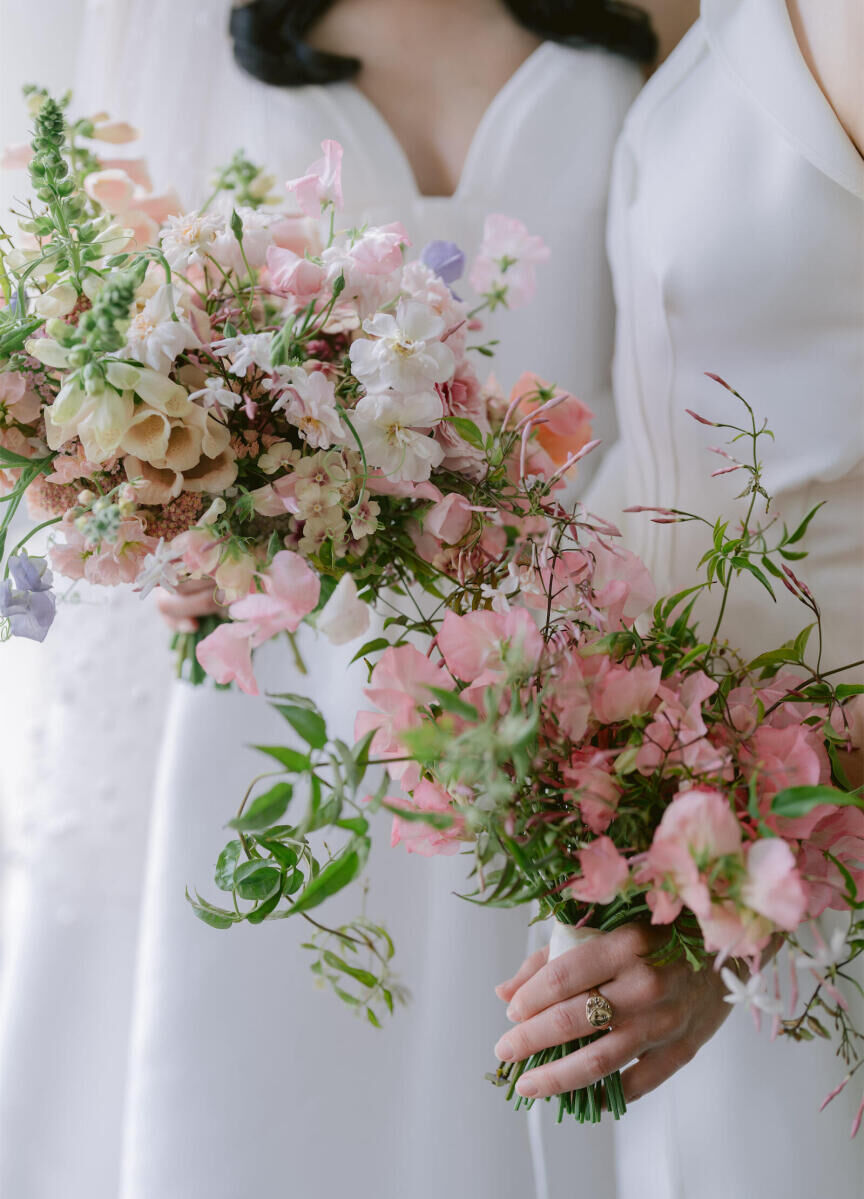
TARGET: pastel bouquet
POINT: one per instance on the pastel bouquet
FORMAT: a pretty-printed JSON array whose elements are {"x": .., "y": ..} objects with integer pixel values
[
  {"x": 597, "y": 754},
  {"x": 244, "y": 395}
]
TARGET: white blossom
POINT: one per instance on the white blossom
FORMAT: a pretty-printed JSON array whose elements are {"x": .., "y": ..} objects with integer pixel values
[
  {"x": 310, "y": 404},
  {"x": 344, "y": 617},
  {"x": 750, "y": 993},
  {"x": 388, "y": 425},
  {"x": 188, "y": 238},
  {"x": 161, "y": 568},
  {"x": 403, "y": 351},
  {"x": 245, "y": 350},
  {"x": 154, "y": 337}
]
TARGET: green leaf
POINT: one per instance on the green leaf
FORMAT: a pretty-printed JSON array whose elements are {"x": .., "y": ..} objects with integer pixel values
[
  {"x": 371, "y": 647},
  {"x": 794, "y": 802},
  {"x": 291, "y": 759},
  {"x": 372, "y": 1018},
  {"x": 215, "y": 917},
  {"x": 307, "y": 724},
  {"x": 451, "y": 702},
  {"x": 467, "y": 430},
  {"x": 419, "y": 816},
  {"x": 256, "y": 880},
  {"x": 751, "y": 568},
  {"x": 226, "y": 864},
  {"x": 336, "y": 875},
  {"x": 259, "y": 915},
  {"x": 802, "y": 528},
  {"x": 285, "y": 855},
  {"x": 847, "y": 690},
  {"x": 265, "y": 810},
  {"x": 354, "y": 824},
  {"x": 337, "y": 963}
]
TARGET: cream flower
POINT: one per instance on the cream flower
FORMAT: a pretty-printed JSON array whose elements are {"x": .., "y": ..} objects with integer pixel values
[
  {"x": 154, "y": 337},
  {"x": 188, "y": 238}
]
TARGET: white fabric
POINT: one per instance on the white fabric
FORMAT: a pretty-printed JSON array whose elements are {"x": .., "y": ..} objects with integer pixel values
[
  {"x": 241, "y": 1076},
  {"x": 736, "y": 238}
]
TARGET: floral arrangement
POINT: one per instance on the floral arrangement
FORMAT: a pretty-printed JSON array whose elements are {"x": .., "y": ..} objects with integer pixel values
[
  {"x": 243, "y": 395},
  {"x": 594, "y": 753}
]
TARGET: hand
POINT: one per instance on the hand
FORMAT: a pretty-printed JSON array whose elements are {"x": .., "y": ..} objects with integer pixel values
[
  {"x": 663, "y": 1014},
  {"x": 192, "y": 600}
]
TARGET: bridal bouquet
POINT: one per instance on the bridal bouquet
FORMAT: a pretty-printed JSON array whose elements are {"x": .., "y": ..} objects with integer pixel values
[
  {"x": 596, "y": 753},
  {"x": 244, "y": 395}
]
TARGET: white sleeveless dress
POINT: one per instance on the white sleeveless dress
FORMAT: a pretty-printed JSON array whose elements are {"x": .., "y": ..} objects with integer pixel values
[
  {"x": 241, "y": 1075},
  {"x": 737, "y": 246}
]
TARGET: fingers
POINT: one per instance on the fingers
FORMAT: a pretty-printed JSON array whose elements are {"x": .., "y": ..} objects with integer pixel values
[
  {"x": 573, "y": 973},
  {"x": 654, "y": 1068},
  {"x": 564, "y": 1022},
  {"x": 183, "y": 609},
  {"x": 581, "y": 1069},
  {"x": 527, "y": 970}
]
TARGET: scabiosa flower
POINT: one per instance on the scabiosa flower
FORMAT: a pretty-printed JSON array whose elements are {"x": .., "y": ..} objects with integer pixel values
[{"x": 187, "y": 239}]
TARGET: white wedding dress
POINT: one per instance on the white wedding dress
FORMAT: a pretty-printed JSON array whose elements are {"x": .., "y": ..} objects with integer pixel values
[
  {"x": 228, "y": 1071},
  {"x": 737, "y": 246}
]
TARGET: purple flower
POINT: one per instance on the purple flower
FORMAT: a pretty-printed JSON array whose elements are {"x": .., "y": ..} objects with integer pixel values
[
  {"x": 445, "y": 259},
  {"x": 29, "y": 605}
]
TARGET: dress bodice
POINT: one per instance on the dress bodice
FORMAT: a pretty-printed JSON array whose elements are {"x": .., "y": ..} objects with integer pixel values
[{"x": 737, "y": 244}]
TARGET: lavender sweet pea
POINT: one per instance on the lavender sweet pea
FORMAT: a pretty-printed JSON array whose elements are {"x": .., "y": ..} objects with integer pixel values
[
  {"x": 27, "y": 602},
  {"x": 445, "y": 259}
]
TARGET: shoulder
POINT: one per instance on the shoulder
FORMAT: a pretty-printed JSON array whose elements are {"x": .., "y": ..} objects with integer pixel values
[{"x": 831, "y": 40}]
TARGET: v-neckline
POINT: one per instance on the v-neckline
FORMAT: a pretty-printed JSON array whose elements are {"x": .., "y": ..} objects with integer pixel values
[
  {"x": 757, "y": 44},
  {"x": 474, "y": 153}
]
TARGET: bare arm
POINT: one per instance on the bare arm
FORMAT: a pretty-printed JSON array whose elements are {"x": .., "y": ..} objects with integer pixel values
[{"x": 831, "y": 36}]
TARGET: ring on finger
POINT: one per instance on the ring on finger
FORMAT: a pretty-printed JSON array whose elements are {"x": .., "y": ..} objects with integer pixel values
[{"x": 598, "y": 1010}]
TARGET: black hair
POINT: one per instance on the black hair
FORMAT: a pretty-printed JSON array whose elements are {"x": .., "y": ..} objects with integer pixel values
[{"x": 269, "y": 35}]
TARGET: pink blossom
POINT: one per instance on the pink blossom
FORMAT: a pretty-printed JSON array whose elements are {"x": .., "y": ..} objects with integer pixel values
[
  {"x": 380, "y": 485},
  {"x": 489, "y": 643},
  {"x": 107, "y": 563},
  {"x": 507, "y": 260},
  {"x": 597, "y": 794},
  {"x": 290, "y": 274},
  {"x": 423, "y": 838},
  {"x": 622, "y": 583},
  {"x": 839, "y": 832},
  {"x": 570, "y": 699},
  {"x": 379, "y": 250},
  {"x": 449, "y": 519},
  {"x": 135, "y": 168},
  {"x": 291, "y": 591},
  {"x": 17, "y": 401},
  {"x": 794, "y": 756},
  {"x": 112, "y": 189},
  {"x": 199, "y": 549},
  {"x": 322, "y": 183},
  {"x": 728, "y": 930},
  {"x": 605, "y": 872},
  {"x": 566, "y": 426},
  {"x": 773, "y": 887},
  {"x": 226, "y": 655},
  {"x": 619, "y": 692},
  {"x": 16, "y": 157},
  {"x": 697, "y": 828}
]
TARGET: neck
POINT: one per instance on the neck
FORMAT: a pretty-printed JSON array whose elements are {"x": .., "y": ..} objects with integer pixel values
[{"x": 352, "y": 26}]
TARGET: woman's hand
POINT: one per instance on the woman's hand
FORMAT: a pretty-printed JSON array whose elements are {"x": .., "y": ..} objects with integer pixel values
[
  {"x": 182, "y": 610},
  {"x": 662, "y": 1014}
]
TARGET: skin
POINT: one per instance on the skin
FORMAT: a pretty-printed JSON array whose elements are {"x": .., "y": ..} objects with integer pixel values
[
  {"x": 831, "y": 36},
  {"x": 663, "y": 1015}
]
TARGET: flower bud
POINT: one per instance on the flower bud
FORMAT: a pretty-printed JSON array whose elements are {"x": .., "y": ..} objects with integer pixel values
[{"x": 86, "y": 497}]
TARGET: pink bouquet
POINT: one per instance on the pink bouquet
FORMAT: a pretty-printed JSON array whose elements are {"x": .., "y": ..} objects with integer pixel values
[
  {"x": 246, "y": 396},
  {"x": 597, "y": 754}
]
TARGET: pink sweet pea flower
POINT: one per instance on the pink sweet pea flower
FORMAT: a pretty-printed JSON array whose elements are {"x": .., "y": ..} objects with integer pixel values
[
  {"x": 698, "y": 825},
  {"x": 604, "y": 872},
  {"x": 199, "y": 549},
  {"x": 840, "y": 833},
  {"x": 619, "y": 693},
  {"x": 16, "y": 157},
  {"x": 488, "y": 643},
  {"x": 379, "y": 484},
  {"x": 729, "y": 931},
  {"x": 794, "y": 756},
  {"x": 379, "y": 250},
  {"x": 507, "y": 259},
  {"x": 226, "y": 655},
  {"x": 450, "y": 519},
  {"x": 290, "y": 274},
  {"x": 422, "y": 838},
  {"x": 773, "y": 887},
  {"x": 597, "y": 794},
  {"x": 622, "y": 583},
  {"x": 566, "y": 423},
  {"x": 112, "y": 189},
  {"x": 291, "y": 591},
  {"x": 322, "y": 183}
]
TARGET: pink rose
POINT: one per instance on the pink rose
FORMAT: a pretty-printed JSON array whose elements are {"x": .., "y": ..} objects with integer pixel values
[
  {"x": 604, "y": 873},
  {"x": 292, "y": 275},
  {"x": 449, "y": 519}
]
